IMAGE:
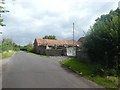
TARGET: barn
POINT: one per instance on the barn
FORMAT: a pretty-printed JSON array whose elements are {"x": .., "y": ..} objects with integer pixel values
[{"x": 55, "y": 47}]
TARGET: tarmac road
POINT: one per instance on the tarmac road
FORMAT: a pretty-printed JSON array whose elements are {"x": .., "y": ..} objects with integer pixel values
[{"x": 25, "y": 70}]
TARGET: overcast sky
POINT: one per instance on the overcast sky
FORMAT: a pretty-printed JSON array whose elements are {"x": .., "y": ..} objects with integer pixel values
[{"x": 30, "y": 19}]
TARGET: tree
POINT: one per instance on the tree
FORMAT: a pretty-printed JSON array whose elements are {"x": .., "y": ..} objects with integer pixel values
[
  {"x": 28, "y": 47},
  {"x": 1, "y": 11},
  {"x": 1, "y": 20},
  {"x": 49, "y": 37},
  {"x": 102, "y": 41},
  {"x": 0, "y": 47},
  {"x": 8, "y": 44},
  {"x": 7, "y": 41}
]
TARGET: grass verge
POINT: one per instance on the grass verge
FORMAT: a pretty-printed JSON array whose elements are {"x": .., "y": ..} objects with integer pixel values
[
  {"x": 86, "y": 70},
  {"x": 6, "y": 54}
]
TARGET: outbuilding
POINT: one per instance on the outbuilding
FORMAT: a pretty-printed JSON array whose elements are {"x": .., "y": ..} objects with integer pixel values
[{"x": 55, "y": 47}]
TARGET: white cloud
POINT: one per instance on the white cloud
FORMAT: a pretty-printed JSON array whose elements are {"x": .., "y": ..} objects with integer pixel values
[{"x": 29, "y": 19}]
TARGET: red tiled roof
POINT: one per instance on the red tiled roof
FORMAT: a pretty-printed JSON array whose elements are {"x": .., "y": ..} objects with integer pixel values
[{"x": 55, "y": 42}]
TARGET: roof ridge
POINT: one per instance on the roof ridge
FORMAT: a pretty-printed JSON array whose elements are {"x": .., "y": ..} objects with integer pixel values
[{"x": 52, "y": 41}]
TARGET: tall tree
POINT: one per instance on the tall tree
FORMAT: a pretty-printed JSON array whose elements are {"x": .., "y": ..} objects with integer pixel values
[
  {"x": 49, "y": 37},
  {"x": 102, "y": 42},
  {"x": 1, "y": 11},
  {"x": 8, "y": 44},
  {"x": 7, "y": 41}
]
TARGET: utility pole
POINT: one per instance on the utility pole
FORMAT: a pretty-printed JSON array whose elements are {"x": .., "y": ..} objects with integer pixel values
[
  {"x": 73, "y": 34},
  {"x": 119, "y": 4},
  {"x": 73, "y": 39}
]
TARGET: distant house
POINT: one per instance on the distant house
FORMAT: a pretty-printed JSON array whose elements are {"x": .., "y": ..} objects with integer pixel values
[{"x": 55, "y": 47}]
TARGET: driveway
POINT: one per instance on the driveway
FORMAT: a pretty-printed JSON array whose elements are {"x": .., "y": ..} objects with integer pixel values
[{"x": 25, "y": 70}]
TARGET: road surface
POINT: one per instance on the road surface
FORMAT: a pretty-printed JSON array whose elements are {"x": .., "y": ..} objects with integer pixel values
[{"x": 25, "y": 70}]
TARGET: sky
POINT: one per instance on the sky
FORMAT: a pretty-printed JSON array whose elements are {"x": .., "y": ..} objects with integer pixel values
[{"x": 30, "y": 19}]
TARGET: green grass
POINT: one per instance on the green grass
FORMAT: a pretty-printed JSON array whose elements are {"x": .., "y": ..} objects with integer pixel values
[
  {"x": 86, "y": 70},
  {"x": 7, "y": 54},
  {"x": 103, "y": 81},
  {"x": 80, "y": 68}
]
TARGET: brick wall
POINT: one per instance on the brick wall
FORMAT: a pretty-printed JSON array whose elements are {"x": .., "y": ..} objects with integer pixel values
[{"x": 59, "y": 51}]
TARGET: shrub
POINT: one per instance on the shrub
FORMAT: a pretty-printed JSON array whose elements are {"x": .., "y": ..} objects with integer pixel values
[{"x": 102, "y": 42}]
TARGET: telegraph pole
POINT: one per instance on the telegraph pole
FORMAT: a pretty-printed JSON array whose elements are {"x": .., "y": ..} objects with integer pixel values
[
  {"x": 73, "y": 38},
  {"x": 73, "y": 34},
  {"x": 119, "y": 4}
]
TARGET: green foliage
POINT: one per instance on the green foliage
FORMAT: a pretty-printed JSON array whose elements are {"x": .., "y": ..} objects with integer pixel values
[
  {"x": 1, "y": 11},
  {"x": 15, "y": 47},
  {"x": 7, "y": 44},
  {"x": 23, "y": 48},
  {"x": 7, "y": 41},
  {"x": 28, "y": 47},
  {"x": 102, "y": 42},
  {"x": 49, "y": 37},
  {"x": 6, "y": 47},
  {"x": 1, "y": 20}
]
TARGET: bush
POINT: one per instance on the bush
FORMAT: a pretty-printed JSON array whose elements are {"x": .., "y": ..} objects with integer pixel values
[
  {"x": 7, "y": 44},
  {"x": 7, "y": 47},
  {"x": 102, "y": 42},
  {"x": 28, "y": 47}
]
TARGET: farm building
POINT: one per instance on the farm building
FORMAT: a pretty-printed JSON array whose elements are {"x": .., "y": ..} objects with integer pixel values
[{"x": 55, "y": 47}]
